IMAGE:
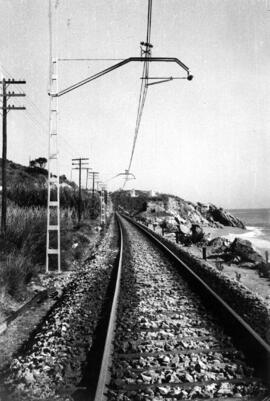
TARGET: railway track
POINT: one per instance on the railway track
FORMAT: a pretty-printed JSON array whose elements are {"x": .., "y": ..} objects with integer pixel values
[{"x": 163, "y": 343}]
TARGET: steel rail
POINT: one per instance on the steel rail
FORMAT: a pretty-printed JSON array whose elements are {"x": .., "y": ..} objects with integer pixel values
[
  {"x": 104, "y": 375},
  {"x": 120, "y": 64},
  {"x": 255, "y": 348}
]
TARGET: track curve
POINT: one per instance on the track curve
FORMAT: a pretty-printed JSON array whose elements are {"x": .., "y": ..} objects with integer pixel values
[{"x": 165, "y": 344}]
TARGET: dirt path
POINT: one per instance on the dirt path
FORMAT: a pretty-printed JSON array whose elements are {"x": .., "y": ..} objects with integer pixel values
[{"x": 249, "y": 277}]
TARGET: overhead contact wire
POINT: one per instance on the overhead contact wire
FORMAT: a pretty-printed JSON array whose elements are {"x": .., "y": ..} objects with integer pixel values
[{"x": 144, "y": 87}]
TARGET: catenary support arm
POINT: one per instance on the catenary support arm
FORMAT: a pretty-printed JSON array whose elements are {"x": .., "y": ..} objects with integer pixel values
[{"x": 122, "y": 63}]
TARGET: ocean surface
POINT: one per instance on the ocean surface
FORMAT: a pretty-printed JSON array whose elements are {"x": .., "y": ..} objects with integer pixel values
[{"x": 257, "y": 222}]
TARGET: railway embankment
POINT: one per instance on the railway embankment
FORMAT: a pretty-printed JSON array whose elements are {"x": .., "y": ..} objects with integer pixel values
[
  {"x": 23, "y": 246},
  {"x": 246, "y": 303},
  {"x": 50, "y": 363}
]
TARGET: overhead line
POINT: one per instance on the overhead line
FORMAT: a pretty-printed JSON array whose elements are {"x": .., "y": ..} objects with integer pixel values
[
  {"x": 27, "y": 98},
  {"x": 144, "y": 85},
  {"x": 32, "y": 116},
  {"x": 91, "y": 59}
]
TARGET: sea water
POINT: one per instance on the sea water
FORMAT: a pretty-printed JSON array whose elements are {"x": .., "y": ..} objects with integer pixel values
[{"x": 257, "y": 222}]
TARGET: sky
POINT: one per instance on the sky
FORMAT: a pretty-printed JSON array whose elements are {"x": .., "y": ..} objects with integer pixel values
[{"x": 204, "y": 140}]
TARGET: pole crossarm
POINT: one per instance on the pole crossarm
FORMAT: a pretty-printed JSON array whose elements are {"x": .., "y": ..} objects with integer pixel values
[
  {"x": 13, "y": 81},
  {"x": 14, "y": 108},
  {"x": 12, "y": 94},
  {"x": 78, "y": 168},
  {"x": 6, "y": 108},
  {"x": 80, "y": 163},
  {"x": 121, "y": 64}
]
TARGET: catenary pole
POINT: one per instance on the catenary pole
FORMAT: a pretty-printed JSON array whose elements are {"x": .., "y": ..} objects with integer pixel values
[{"x": 146, "y": 60}]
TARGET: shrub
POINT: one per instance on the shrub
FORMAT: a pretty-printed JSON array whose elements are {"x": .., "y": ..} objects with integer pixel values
[
  {"x": 33, "y": 195},
  {"x": 22, "y": 222},
  {"x": 16, "y": 272}
]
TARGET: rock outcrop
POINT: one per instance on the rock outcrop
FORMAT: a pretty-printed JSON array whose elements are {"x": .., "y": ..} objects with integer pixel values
[
  {"x": 176, "y": 211},
  {"x": 239, "y": 251},
  {"x": 218, "y": 245},
  {"x": 197, "y": 233},
  {"x": 221, "y": 216},
  {"x": 244, "y": 249},
  {"x": 188, "y": 213}
]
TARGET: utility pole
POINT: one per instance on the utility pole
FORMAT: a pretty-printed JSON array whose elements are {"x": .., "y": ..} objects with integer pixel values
[
  {"x": 93, "y": 175},
  {"x": 5, "y": 109},
  {"x": 87, "y": 172},
  {"x": 80, "y": 164}
]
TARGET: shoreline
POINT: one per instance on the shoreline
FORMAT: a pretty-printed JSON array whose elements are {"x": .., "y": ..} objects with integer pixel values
[{"x": 252, "y": 234}]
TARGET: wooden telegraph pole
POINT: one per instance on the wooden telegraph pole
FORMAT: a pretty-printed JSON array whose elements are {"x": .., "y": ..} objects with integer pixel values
[
  {"x": 80, "y": 164},
  {"x": 94, "y": 176},
  {"x": 87, "y": 173},
  {"x": 5, "y": 109}
]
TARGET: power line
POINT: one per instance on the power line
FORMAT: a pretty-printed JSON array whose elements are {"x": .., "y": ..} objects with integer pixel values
[
  {"x": 143, "y": 93},
  {"x": 32, "y": 115},
  {"x": 91, "y": 59},
  {"x": 28, "y": 99},
  {"x": 144, "y": 83},
  {"x": 45, "y": 130},
  {"x": 34, "y": 120}
]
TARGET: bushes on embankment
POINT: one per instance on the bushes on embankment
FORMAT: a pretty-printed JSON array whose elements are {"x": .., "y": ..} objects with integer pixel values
[
  {"x": 31, "y": 195},
  {"x": 23, "y": 249}
]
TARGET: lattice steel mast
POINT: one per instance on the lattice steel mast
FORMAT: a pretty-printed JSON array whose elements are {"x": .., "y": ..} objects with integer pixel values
[
  {"x": 53, "y": 205},
  {"x": 54, "y": 93}
]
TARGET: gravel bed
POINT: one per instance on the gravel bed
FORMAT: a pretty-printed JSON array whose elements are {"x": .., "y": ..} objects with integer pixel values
[
  {"x": 251, "y": 307},
  {"x": 53, "y": 362},
  {"x": 17, "y": 333},
  {"x": 166, "y": 343}
]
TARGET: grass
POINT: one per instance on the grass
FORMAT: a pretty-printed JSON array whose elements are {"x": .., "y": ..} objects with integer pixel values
[
  {"x": 23, "y": 249},
  {"x": 23, "y": 222},
  {"x": 16, "y": 272}
]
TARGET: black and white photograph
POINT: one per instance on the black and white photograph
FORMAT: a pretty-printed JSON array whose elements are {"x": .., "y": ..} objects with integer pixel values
[{"x": 135, "y": 200}]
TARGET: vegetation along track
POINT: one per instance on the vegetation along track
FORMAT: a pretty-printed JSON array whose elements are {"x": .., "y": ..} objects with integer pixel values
[{"x": 164, "y": 343}]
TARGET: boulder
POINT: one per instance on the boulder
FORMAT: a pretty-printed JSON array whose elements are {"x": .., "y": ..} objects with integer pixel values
[
  {"x": 263, "y": 269},
  {"x": 245, "y": 250},
  {"x": 219, "y": 245},
  {"x": 184, "y": 229},
  {"x": 221, "y": 216},
  {"x": 197, "y": 233}
]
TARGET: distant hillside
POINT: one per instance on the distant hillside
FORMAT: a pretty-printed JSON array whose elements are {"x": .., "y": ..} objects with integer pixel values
[
  {"x": 16, "y": 174},
  {"x": 33, "y": 176},
  {"x": 173, "y": 209},
  {"x": 28, "y": 187}
]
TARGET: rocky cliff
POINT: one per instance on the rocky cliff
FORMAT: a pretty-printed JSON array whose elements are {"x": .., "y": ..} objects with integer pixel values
[
  {"x": 172, "y": 212},
  {"x": 178, "y": 211}
]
